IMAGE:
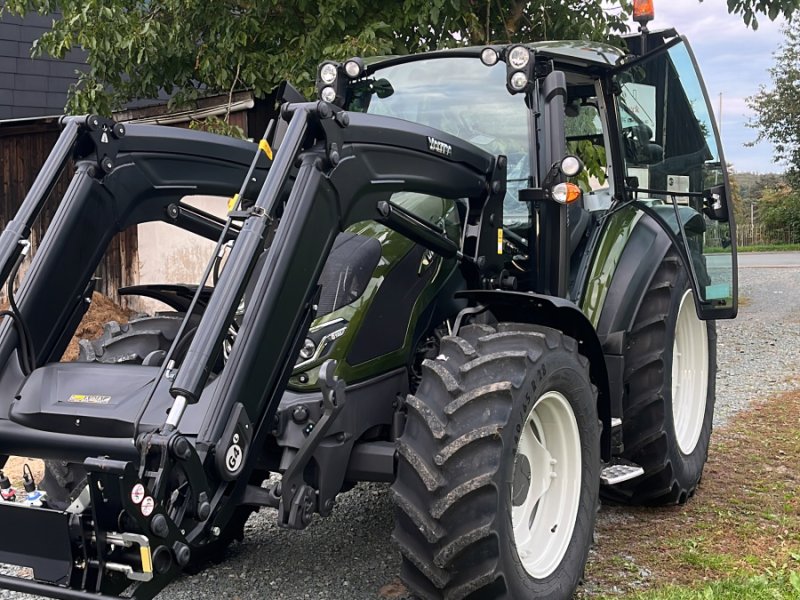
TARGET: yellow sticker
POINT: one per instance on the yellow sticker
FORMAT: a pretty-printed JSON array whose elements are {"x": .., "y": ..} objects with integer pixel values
[
  {"x": 89, "y": 399},
  {"x": 500, "y": 240},
  {"x": 264, "y": 145},
  {"x": 147, "y": 560},
  {"x": 232, "y": 202}
]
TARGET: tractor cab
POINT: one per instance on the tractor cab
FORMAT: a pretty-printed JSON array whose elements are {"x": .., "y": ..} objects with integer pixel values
[{"x": 640, "y": 125}]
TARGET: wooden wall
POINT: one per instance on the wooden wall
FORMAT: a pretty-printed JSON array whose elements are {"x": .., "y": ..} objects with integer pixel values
[{"x": 24, "y": 146}]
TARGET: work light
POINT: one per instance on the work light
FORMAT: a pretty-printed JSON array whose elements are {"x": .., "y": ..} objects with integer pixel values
[
  {"x": 519, "y": 57},
  {"x": 354, "y": 68},
  {"x": 328, "y": 94},
  {"x": 489, "y": 57},
  {"x": 328, "y": 73}
]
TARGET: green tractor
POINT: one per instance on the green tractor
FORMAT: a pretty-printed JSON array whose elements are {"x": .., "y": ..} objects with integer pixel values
[{"x": 488, "y": 276}]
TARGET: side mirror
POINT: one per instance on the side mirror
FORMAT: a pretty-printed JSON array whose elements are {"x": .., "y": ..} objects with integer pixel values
[{"x": 716, "y": 203}]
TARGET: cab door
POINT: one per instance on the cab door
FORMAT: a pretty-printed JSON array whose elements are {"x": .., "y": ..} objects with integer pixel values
[{"x": 675, "y": 168}]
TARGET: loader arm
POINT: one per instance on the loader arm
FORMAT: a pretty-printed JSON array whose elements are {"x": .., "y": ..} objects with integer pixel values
[{"x": 160, "y": 484}]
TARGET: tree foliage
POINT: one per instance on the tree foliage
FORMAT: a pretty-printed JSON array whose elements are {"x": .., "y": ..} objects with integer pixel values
[
  {"x": 188, "y": 48},
  {"x": 779, "y": 208},
  {"x": 137, "y": 48},
  {"x": 748, "y": 9},
  {"x": 777, "y": 108}
]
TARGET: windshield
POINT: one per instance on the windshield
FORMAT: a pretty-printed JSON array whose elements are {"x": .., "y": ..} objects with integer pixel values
[{"x": 465, "y": 98}]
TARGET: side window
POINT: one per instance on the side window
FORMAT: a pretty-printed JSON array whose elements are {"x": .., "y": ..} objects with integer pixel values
[
  {"x": 586, "y": 140},
  {"x": 675, "y": 165}
]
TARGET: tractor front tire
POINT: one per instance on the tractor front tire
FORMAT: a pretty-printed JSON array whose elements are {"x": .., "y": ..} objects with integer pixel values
[
  {"x": 670, "y": 374},
  {"x": 497, "y": 483}
]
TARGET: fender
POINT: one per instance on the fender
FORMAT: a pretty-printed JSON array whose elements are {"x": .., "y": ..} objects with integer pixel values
[
  {"x": 629, "y": 253},
  {"x": 622, "y": 278},
  {"x": 561, "y": 314}
]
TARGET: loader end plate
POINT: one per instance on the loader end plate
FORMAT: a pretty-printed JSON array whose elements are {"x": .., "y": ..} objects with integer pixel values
[{"x": 37, "y": 538}]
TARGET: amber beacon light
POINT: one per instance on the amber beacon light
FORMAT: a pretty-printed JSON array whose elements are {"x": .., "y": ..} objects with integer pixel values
[{"x": 643, "y": 11}]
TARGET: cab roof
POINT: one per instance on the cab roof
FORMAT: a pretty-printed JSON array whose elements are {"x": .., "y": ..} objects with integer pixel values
[{"x": 577, "y": 53}]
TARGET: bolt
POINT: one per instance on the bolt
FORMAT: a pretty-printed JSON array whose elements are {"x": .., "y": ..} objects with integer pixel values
[
  {"x": 215, "y": 531},
  {"x": 300, "y": 415},
  {"x": 553, "y": 462},
  {"x": 235, "y": 438},
  {"x": 302, "y": 378},
  {"x": 159, "y": 526},
  {"x": 182, "y": 553},
  {"x": 182, "y": 448}
]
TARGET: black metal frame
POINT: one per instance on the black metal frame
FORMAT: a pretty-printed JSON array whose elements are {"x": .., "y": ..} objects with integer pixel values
[{"x": 332, "y": 170}]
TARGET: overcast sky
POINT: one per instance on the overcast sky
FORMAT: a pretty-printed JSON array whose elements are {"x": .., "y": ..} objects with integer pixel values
[{"x": 734, "y": 62}]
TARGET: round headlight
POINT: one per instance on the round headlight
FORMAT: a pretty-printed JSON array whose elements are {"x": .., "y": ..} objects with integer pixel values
[
  {"x": 327, "y": 73},
  {"x": 518, "y": 57},
  {"x": 352, "y": 68},
  {"x": 308, "y": 349},
  {"x": 571, "y": 166},
  {"x": 328, "y": 94},
  {"x": 519, "y": 80},
  {"x": 489, "y": 56}
]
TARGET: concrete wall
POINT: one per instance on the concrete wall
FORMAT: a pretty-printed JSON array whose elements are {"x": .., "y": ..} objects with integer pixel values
[{"x": 168, "y": 254}]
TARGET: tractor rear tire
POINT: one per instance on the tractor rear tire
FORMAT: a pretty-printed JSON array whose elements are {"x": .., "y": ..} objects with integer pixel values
[
  {"x": 497, "y": 483},
  {"x": 670, "y": 374}
]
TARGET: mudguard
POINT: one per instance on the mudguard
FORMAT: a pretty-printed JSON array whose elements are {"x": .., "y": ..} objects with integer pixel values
[{"x": 561, "y": 314}]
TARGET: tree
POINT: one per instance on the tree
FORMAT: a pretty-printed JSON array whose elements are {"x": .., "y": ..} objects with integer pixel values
[
  {"x": 777, "y": 109},
  {"x": 137, "y": 48},
  {"x": 779, "y": 211},
  {"x": 771, "y": 8}
]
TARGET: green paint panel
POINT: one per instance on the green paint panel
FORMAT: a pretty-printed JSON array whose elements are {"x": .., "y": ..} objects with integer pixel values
[
  {"x": 394, "y": 247},
  {"x": 616, "y": 232}
]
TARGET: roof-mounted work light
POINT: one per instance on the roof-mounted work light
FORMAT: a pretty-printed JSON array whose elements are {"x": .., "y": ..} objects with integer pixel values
[
  {"x": 519, "y": 69},
  {"x": 331, "y": 84}
]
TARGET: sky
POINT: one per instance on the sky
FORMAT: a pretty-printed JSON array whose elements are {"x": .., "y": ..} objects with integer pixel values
[{"x": 734, "y": 61}]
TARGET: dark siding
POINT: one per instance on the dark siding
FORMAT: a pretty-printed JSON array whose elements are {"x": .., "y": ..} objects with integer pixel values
[
  {"x": 23, "y": 150},
  {"x": 32, "y": 87}
]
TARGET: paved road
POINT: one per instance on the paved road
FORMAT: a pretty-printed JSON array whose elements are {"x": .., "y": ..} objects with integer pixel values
[{"x": 769, "y": 259}]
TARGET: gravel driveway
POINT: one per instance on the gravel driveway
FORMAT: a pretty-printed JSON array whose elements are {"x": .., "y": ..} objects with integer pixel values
[{"x": 350, "y": 556}]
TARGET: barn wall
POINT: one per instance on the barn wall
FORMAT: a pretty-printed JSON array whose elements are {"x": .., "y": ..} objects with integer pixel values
[{"x": 23, "y": 149}]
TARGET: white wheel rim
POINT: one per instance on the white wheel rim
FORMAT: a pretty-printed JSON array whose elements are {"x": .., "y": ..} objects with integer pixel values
[
  {"x": 689, "y": 375},
  {"x": 546, "y": 495}
]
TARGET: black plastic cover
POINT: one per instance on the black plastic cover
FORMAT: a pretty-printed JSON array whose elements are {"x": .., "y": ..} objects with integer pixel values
[{"x": 347, "y": 271}]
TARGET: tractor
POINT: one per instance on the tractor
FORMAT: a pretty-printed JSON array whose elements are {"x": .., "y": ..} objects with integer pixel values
[{"x": 487, "y": 276}]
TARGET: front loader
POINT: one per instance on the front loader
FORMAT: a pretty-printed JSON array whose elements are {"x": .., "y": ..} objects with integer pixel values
[{"x": 487, "y": 275}]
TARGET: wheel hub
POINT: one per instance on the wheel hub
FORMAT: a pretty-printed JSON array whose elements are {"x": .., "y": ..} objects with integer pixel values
[
  {"x": 522, "y": 480},
  {"x": 546, "y": 484}
]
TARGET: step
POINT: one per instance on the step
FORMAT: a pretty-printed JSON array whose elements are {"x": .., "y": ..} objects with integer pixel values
[{"x": 618, "y": 471}]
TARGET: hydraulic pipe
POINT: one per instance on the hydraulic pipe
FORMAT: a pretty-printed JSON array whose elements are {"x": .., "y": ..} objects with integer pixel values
[{"x": 205, "y": 345}]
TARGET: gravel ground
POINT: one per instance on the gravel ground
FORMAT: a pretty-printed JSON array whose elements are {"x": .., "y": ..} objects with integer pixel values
[{"x": 349, "y": 556}]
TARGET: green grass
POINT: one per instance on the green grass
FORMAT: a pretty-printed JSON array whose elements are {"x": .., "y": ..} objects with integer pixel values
[
  {"x": 780, "y": 585},
  {"x": 760, "y": 248}
]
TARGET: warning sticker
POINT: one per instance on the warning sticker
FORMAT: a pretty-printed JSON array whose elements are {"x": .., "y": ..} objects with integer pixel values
[
  {"x": 89, "y": 399},
  {"x": 137, "y": 493},
  {"x": 148, "y": 504}
]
